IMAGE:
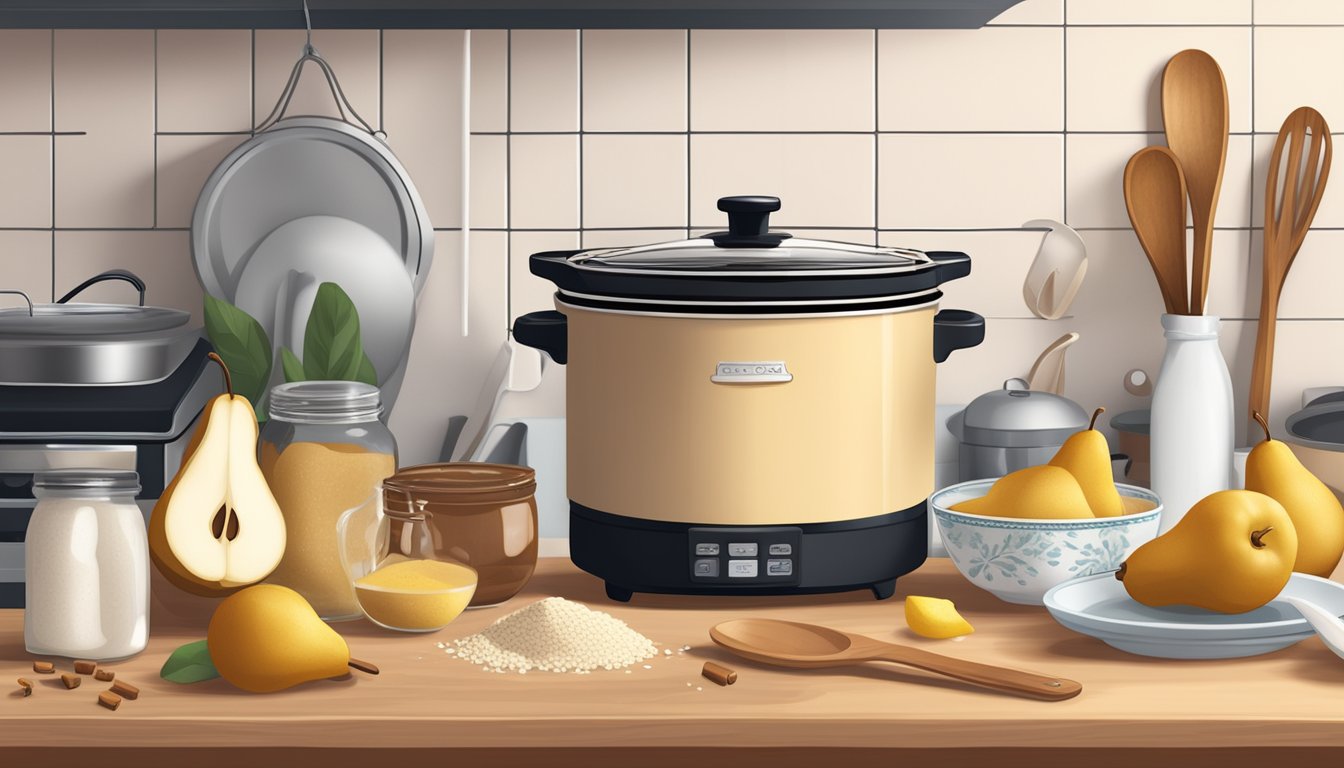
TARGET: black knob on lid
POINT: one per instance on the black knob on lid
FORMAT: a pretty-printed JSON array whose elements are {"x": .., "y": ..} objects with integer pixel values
[
  {"x": 748, "y": 222},
  {"x": 749, "y": 214}
]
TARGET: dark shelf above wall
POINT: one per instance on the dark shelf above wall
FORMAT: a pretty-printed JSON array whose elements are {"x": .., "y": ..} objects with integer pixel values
[{"x": 517, "y": 14}]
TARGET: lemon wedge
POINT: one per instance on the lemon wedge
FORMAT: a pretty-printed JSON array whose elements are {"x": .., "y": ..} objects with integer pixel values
[{"x": 935, "y": 617}]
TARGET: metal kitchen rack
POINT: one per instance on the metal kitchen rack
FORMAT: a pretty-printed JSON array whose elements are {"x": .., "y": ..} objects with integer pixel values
[{"x": 515, "y": 14}]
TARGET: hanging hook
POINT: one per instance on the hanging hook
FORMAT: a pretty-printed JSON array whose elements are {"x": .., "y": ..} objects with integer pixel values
[{"x": 308, "y": 48}]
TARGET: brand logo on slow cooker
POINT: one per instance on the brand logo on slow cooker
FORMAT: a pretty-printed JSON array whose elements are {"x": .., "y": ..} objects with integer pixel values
[{"x": 752, "y": 372}]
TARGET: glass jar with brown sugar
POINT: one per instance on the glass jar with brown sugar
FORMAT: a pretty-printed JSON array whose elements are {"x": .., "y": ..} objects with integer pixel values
[
  {"x": 323, "y": 452},
  {"x": 481, "y": 515}
]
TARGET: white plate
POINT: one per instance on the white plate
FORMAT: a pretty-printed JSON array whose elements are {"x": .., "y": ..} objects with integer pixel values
[
  {"x": 279, "y": 282},
  {"x": 1099, "y": 607}
]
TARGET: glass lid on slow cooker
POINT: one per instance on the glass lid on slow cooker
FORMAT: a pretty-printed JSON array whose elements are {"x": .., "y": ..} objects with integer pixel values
[
  {"x": 791, "y": 255},
  {"x": 748, "y": 246}
]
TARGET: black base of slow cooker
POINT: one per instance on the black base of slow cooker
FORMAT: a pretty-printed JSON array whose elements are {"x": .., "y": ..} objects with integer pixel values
[{"x": 634, "y": 555}]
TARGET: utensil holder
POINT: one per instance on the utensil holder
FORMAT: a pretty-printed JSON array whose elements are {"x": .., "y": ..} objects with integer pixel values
[{"x": 1192, "y": 431}]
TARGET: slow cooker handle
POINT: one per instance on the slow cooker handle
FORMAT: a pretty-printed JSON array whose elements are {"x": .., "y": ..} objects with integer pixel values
[
  {"x": 950, "y": 265},
  {"x": 547, "y": 331},
  {"x": 955, "y": 329}
]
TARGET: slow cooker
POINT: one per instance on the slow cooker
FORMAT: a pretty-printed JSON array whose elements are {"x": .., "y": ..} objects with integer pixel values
[{"x": 748, "y": 412}]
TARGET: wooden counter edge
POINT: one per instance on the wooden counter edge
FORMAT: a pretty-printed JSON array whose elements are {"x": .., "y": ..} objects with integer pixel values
[{"x": 670, "y": 732}]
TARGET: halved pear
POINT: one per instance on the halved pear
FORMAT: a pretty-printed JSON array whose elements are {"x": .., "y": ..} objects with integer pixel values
[{"x": 217, "y": 527}]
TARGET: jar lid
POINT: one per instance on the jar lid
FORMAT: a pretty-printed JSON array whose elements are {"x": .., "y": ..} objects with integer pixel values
[
  {"x": 102, "y": 481},
  {"x": 463, "y": 477},
  {"x": 1017, "y": 417},
  {"x": 325, "y": 402}
]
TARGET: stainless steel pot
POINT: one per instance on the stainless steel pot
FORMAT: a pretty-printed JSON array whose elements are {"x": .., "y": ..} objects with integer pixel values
[
  {"x": 781, "y": 388},
  {"x": 77, "y": 344},
  {"x": 1011, "y": 429}
]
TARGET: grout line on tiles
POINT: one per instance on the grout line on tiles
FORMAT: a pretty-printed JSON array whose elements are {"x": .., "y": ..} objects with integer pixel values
[
  {"x": 44, "y": 133},
  {"x": 1064, "y": 123},
  {"x": 381, "y": 87},
  {"x": 203, "y": 133},
  {"x": 95, "y": 229},
  {"x": 579, "y": 95},
  {"x": 877, "y": 144},
  {"x": 508, "y": 185},
  {"x": 690, "y": 176},
  {"x": 51, "y": 105},
  {"x": 252, "y": 83},
  {"x": 154, "y": 198},
  {"x": 857, "y": 133}
]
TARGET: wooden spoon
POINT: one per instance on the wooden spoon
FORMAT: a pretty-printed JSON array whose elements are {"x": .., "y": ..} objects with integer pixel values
[
  {"x": 1155, "y": 199},
  {"x": 1290, "y": 206},
  {"x": 808, "y": 646},
  {"x": 1194, "y": 115}
]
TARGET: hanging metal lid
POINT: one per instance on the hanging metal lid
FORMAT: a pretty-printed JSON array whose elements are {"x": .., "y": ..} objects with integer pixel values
[
  {"x": 748, "y": 264},
  {"x": 1016, "y": 417}
]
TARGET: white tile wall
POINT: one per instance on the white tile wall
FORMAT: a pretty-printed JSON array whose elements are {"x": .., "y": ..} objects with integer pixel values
[{"x": 936, "y": 139}]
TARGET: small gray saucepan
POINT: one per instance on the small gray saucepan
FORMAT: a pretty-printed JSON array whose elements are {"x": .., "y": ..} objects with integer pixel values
[{"x": 79, "y": 344}]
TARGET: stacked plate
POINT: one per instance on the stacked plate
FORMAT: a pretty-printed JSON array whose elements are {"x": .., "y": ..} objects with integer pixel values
[
  {"x": 1099, "y": 607},
  {"x": 308, "y": 201}
]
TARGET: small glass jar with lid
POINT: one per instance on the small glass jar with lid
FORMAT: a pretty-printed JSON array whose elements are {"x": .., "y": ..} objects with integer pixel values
[
  {"x": 86, "y": 566},
  {"x": 323, "y": 451}
]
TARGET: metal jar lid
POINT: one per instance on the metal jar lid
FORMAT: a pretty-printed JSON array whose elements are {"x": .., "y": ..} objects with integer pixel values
[
  {"x": 1017, "y": 417},
  {"x": 85, "y": 483},
  {"x": 325, "y": 402},
  {"x": 1320, "y": 424}
]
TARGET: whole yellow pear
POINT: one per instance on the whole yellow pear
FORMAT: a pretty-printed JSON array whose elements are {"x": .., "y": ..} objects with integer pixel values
[
  {"x": 1042, "y": 492},
  {"x": 1232, "y": 552},
  {"x": 267, "y": 637},
  {"x": 1273, "y": 470},
  {"x": 1087, "y": 457}
]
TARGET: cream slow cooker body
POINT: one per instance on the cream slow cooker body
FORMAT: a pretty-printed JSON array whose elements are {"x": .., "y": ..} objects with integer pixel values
[
  {"x": 655, "y": 431},
  {"x": 749, "y": 413}
]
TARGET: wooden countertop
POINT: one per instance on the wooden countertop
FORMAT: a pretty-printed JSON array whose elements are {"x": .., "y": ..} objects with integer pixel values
[{"x": 426, "y": 701}]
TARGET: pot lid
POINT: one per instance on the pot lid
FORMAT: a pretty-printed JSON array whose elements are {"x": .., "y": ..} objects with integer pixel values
[
  {"x": 748, "y": 264},
  {"x": 1017, "y": 417},
  {"x": 69, "y": 320}
]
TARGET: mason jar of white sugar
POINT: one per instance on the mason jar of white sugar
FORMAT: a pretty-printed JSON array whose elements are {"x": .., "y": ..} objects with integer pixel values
[{"x": 86, "y": 566}]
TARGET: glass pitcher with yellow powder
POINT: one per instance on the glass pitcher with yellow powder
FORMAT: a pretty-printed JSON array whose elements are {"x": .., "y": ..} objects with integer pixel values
[{"x": 323, "y": 451}]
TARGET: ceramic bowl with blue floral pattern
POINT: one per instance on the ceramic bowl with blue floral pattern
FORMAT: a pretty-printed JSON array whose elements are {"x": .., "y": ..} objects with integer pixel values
[{"x": 1019, "y": 560}]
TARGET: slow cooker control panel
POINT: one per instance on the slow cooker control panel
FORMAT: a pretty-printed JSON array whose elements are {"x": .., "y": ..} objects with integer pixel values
[{"x": 768, "y": 556}]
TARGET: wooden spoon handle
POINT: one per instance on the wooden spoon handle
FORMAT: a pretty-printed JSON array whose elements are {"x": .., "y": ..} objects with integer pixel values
[
  {"x": 1262, "y": 369},
  {"x": 1003, "y": 679},
  {"x": 1199, "y": 263}
]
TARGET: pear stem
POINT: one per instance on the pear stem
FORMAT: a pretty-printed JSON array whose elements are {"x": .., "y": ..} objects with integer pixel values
[
  {"x": 1093, "y": 423},
  {"x": 228, "y": 378},
  {"x": 1264, "y": 424},
  {"x": 363, "y": 666},
  {"x": 1258, "y": 536},
  {"x": 1120, "y": 574}
]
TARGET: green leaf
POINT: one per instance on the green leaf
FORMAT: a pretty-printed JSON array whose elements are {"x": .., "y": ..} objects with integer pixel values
[
  {"x": 189, "y": 664},
  {"x": 332, "y": 348},
  {"x": 291, "y": 365},
  {"x": 242, "y": 343},
  {"x": 366, "y": 373}
]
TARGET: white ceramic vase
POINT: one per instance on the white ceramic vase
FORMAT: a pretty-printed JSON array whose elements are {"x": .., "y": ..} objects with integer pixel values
[{"x": 1192, "y": 430}]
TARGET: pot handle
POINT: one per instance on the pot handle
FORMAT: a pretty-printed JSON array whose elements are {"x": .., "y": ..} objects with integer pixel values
[
  {"x": 547, "y": 331},
  {"x": 955, "y": 329},
  {"x": 111, "y": 274}
]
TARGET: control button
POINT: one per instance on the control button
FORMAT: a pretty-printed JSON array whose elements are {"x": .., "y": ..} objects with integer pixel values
[
  {"x": 708, "y": 568},
  {"x": 741, "y": 569},
  {"x": 778, "y": 567},
  {"x": 707, "y": 549},
  {"x": 742, "y": 550},
  {"x": 781, "y": 549}
]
